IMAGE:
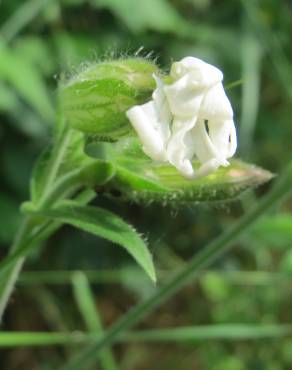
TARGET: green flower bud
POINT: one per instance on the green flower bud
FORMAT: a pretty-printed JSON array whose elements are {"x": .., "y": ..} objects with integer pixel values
[
  {"x": 135, "y": 177},
  {"x": 95, "y": 101},
  {"x": 162, "y": 184}
]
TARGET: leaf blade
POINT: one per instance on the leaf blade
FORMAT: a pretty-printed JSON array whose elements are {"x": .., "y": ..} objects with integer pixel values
[{"x": 107, "y": 225}]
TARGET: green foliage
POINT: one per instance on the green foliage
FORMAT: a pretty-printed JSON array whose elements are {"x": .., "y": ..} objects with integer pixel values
[
  {"x": 106, "y": 225},
  {"x": 275, "y": 231},
  {"x": 10, "y": 218},
  {"x": 157, "y": 15},
  {"x": 71, "y": 165},
  {"x": 248, "y": 296},
  {"x": 26, "y": 80}
]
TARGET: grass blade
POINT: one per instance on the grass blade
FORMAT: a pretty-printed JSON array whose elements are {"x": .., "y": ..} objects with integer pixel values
[
  {"x": 87, "y": 307},
  {"x": 183, "y": 334}
]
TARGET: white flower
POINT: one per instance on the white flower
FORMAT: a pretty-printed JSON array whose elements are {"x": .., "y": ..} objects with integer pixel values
[{"x": 190, "y": 118}]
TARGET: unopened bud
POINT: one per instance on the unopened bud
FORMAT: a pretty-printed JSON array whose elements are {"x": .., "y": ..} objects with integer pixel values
[{"x": 95, "y": 101}]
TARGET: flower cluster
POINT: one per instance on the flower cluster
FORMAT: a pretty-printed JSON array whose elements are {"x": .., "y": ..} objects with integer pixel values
[{"x": 189, "y": 118}]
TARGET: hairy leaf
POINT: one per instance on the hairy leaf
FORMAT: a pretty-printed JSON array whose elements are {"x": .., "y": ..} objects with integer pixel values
[{"x": 107, "y": 225}]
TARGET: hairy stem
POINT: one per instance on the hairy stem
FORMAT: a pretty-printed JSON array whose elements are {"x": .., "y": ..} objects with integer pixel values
[
  {"x": 56, "y": 159},
  {"x": 206, "y": 257},
  {"x": 10, "y": 276}
]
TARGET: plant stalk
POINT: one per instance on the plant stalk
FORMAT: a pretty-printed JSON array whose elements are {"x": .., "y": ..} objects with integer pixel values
[
  {"x": 23, "y": 236},
  {"x": 6, "y": 288}
]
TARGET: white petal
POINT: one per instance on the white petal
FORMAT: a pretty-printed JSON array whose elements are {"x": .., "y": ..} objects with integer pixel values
[
  {"x": 144, "y": 120},
  {"x": 164, "y": 116},
  {"x": 203, "y": 73},
  {"x": 179, "y": 152},
  {"x": 207, "y": 168},
  {"x": 172, "y": 125},
  {"x": 216, "y": 105},
  {"x": 204, "y": 149},
  {"x": 184, "y": 100},
  {"x": 223, "y": 137},
  {"x": 232, "y": 140}
]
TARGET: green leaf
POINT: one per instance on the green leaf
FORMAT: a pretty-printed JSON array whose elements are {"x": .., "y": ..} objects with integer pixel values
[
  {"x": 274, "y": 230},
  {"x": 10, "y": 218},
  {"x": 43, "y": 233},
  {"x": 107, "y": 225},
  {"x": 27, "y": 81},
  {"x": 157, "y": 15}
]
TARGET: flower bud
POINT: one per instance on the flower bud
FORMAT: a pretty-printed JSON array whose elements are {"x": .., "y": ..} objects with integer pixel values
[{"x": 95, "y": 101}]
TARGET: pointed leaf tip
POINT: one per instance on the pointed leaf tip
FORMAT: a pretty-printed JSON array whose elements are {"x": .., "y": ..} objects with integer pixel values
[{"x": 107, "y": 225}]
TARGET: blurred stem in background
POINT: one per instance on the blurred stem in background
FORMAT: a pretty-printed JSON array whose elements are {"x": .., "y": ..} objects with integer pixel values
[
  {"x": 19, "y": 19},
  {"x": 59, "y": 277},
  {"x": 271, "y": 44},
  {"x": 251, "y": 70},
  {"x": 229, "y": 332},
  {"x": 87, "y": 307}
]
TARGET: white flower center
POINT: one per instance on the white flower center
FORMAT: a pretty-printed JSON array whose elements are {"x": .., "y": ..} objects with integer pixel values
[{"x": 190, "y": 118}]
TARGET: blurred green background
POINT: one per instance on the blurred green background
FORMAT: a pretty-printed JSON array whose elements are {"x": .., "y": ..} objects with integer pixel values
[{"x": 42, "y": 41}]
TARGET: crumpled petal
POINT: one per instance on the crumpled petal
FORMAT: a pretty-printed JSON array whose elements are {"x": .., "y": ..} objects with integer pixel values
[
  {"x": 192, "y": 117},
  {"x": 202, "y": 73},
  {"x": 152, "y": 123},
  {"x": 184, "y": 100},
  {"x": 204, "y": 148},
  {"x": 144, "y": 119},
  {"x": 232, "y": 140},
  {"x": 216, "y": 105},
  {"x": 164, "y": 116},
  {"x": 179, "y": 152},
  {"x": 223, "y": 137}
]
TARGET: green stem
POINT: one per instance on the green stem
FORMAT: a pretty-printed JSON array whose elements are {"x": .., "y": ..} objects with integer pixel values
[
  {"x": 24, "y": 235},
  {"x": 45, "y": 229},
  {"x": 206, "y": 257},
  {"x": 6, "y": 288},
  {"x": 63, "y": 277},
  {"x": 65, "y": 187},
  {"x": 215, "y": 332},
  {"x": 86, "y": 302},
  {"x": 55, "y": 161}
]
